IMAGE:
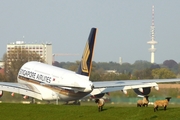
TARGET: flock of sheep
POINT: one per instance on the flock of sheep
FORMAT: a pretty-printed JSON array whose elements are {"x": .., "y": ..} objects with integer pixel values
[
  {"x": 158, "y": 103},
  {"x": 143, "y": 102}
]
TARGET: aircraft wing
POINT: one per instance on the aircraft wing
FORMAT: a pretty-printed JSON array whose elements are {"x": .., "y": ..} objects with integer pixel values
[
  {"x": 124, "y": 85},
  {"x": 24, "y": 89}
]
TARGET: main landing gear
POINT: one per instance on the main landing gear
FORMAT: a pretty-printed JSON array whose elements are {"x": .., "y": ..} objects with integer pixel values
[{"x": 76, "y": 102}]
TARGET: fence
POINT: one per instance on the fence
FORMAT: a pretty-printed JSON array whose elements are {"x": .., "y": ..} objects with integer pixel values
[{"x": 130, "y": 100}]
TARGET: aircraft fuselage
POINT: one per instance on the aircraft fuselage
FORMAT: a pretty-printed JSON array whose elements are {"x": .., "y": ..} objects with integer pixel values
[{"x": 53, "y": 82}]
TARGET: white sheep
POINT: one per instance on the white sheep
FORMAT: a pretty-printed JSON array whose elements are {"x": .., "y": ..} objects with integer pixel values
[
  {"x": 100, "y": 102},
  {"x": 163, "y": 103},
  {"x": 144, "y": 102}
]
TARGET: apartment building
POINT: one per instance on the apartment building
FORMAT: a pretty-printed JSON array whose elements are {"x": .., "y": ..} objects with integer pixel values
[{"x": 44, "y": 49}]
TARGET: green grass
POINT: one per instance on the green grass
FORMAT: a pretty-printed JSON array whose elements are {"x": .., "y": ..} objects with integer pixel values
[{"x": 14, "y": 111}]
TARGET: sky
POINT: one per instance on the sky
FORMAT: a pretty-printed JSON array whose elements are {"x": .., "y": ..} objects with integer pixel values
[{"x": 123, "y": 27}]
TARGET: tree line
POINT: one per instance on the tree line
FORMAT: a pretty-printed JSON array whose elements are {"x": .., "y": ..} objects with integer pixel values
[
  {"x": 14, "y": 59},
  {"x": 126, "y": 71}
]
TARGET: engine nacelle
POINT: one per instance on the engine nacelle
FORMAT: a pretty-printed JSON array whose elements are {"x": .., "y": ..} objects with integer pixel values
[
  {"x": 98, "y": 95},
  {"x": 142, "y": 91},
  {"x": 12, "y": 94},
  {"x": 124, "y": 91},
  {"x": 25, "y": 97},
  {"x": 156, "y": 87},
  {"x": 1, "y": 93}
]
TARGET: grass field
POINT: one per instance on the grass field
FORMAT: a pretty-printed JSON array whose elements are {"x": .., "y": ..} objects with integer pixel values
[{"x": 14, "y": 111}]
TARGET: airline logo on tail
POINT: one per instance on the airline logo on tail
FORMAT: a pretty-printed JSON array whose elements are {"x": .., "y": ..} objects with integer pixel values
[
  {"x": 86, "y": 61},
  {"x": 85, "y": 58}
]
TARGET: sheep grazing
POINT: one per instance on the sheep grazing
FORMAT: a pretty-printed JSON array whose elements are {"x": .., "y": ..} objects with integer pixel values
[
  {"x": 144, "y": 102},
  {"x": 100, "y": 102},
  {"x": 163, "y": 103}
]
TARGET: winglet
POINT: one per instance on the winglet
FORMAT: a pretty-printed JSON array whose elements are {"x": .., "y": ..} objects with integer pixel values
[{"x": 86, "y": 61}]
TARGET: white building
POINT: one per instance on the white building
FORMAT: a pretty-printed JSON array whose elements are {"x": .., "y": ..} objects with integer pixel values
[{"x": 44, "y": 49}]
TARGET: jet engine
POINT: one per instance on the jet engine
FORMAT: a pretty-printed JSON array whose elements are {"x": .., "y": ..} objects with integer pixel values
[
  {"x": 99, "y": 95},
  {"x": 12, "y": 94},
  {"x": 25, "y": 97},
  {"x": 1, "y": 93},
  {"x": 142, "y": 91}
]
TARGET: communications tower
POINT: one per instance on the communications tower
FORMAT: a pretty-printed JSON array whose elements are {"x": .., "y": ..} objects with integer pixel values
[{"x": 152, "y": 42}]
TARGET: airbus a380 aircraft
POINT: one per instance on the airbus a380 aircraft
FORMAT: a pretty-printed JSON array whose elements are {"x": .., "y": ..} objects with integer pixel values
[{"x": 46, "y": 82}]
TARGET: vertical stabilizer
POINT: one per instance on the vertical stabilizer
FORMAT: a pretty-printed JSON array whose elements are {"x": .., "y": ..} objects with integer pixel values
[{"x": 86, "y": 61}]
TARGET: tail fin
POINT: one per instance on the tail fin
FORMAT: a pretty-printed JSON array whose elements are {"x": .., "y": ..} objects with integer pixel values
[{"x": 86, "y": 61}]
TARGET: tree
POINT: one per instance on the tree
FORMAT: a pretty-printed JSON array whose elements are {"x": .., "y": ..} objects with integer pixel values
[
  {"x": 14, "y": 59},
  {"x": 143, "y": 74},
  {"x": 141, "y": 65},
  {"x": 162, "y": 73},
  {"x": 154, "y": 66},
  {"x": 57, "y": 64},
  {"x": 172, "y": 65},
  {"x": 2, "y": 77}
]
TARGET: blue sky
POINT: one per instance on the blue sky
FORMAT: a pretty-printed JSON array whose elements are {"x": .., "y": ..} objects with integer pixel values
[{"x": 123, "y": 27}]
